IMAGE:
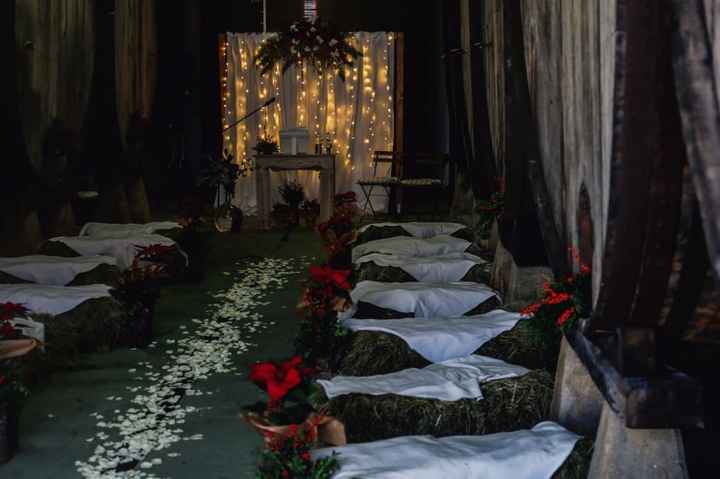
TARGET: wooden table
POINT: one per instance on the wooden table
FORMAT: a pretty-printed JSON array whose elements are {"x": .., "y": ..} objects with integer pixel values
[{"x": 325, "y": 164}]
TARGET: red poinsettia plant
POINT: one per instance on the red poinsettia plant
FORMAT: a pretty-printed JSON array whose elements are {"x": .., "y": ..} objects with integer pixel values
[
  {"x": 9, "y": 311},
  {"x": 288, "y": 456},
  {"x": 289, "y": 386},
  {"x": 341, "y": 229},
  {"x": 565, "y": 301}
]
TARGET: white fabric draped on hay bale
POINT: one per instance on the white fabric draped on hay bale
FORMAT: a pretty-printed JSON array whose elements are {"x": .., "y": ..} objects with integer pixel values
[
  {"x": 52, "y": 270},
  {"x": 52, "y": 300},
  {"x": 122, "y": 249},
  {"x": 527, "y": 454},
  {"x": 447, "y": 381},
  {"x": 420, "y": 229},
  {"x": 440, "y": 339},
  {"x": 120, "y": 230},
  {"x": 440, "y": 268},
  {"x": 414, "y": 247},
  {"x": 424, "y": 300}
]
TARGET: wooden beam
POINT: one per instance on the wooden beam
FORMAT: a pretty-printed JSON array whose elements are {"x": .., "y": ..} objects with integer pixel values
[{"x": 668, "y": 400}]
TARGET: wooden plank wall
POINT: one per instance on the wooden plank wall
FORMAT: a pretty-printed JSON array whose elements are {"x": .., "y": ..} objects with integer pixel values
[
  {"x": 55, "y": 52},
  {"x": 135, "y": 59},
  {"x": 569, "y": 50}
]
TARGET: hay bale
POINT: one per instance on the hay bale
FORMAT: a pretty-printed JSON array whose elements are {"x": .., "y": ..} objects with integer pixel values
[
  {"x": 464, "y": 233},
  {"x": 524, "y": 346},
  {"x": 58, "y": 248},
  {"x": 95, "y": 325},
  {"x": 101, "y": 274},
  {"x": 577, "y": 465},
  {"x": 373, "y": 233},
  {"x": 508, "y": 405},
  {"x": 370, "y": 271},
  {"x": 370, "y": 311},
  {"x": 373, "y": 352}
]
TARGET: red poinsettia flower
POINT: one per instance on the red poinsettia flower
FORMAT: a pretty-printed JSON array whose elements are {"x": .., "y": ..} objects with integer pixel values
[
  {"x": 2, "y": 379},
  {"x": 7, "y": 330},
  {"x": 277, "y": 379},
  {"x": 565, "y": 316},
  {"x": 327, "y": 275},
  {"x": 10, "y": 310}
]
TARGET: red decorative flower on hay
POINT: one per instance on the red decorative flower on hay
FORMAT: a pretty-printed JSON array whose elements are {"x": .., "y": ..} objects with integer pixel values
[
  {"x": 279, "y": 379},
  {"x": 328, "y": 276},
  {"x": 9, "y": 311}
]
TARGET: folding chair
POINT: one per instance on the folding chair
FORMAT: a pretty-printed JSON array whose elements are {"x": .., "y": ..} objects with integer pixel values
[{"x": 386, "y": 183}]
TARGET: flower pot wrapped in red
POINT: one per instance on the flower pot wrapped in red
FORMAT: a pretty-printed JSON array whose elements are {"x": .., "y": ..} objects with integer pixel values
[{"x": 289, "y": 387}]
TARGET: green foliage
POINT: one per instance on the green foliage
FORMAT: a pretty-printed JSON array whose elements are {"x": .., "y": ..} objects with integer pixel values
[
  {"x": 317, "y": 44},
  {"x": 292, "y": 194}
]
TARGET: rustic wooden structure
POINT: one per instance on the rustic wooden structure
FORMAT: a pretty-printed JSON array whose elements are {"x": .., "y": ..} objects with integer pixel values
[
  {"x": 325, "y": 164},
  {"x": 605, "y": 114}
]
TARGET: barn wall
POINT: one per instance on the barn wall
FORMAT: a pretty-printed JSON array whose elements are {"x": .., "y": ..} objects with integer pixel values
[
  {"x": 569, "y": 52},
  {"x": 135, "y": 59},
  {"x": 55, "y": 53}
]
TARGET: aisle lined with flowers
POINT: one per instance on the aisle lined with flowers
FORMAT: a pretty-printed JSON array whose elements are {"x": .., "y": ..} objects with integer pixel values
[
  {"x": 171, "y": 409},
  {"x": 415, "y": 405}
]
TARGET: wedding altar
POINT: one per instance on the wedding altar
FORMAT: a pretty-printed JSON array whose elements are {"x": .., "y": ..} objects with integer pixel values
[{"x": 325, "y": 164}]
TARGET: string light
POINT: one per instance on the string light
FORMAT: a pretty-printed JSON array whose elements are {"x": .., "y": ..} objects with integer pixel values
[{"x": 322, "y": 107}]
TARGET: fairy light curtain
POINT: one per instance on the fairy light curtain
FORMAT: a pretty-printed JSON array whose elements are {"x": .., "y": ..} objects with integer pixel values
[{"x": 357, "y": 114}]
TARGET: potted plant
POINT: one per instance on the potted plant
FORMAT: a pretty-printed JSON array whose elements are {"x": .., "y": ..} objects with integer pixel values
[
  {"x": 12, "y": 390},
  {"x": 290, "y": 387},
  {"x": 219, "y": 178},
  {"x": 138, "y": 290},
  {"x": 293, "y": 195},
  {"x": 310, "y": 210},
  {"x": 266, "y": 146}
]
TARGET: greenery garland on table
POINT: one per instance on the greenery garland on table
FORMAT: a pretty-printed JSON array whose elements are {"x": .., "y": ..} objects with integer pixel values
[{"x": 316, "y": 43}]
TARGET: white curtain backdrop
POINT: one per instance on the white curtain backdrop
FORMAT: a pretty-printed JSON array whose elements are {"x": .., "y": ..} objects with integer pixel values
[{"x": 358, "y": 114}]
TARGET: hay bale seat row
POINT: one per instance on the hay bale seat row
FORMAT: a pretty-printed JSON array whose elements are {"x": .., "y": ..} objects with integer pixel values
[
  {"x": 372, "y": 352},
  {"x": 370, "y": 271},
  {"x": 373, "y": 233},
  {"x": 101, "y": 274}
]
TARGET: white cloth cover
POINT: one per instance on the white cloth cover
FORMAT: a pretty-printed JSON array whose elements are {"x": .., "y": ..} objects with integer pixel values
[
  {"x": 447, "y": 381},
  {"x": 121, "y": 230},
  {"x": 52, "y": 270},
  {"x": 527, "y": 454},
  {"x": 420, "y": 229},
  {"x": 51, "y": 299},
  {"x": 441, "y": 339},
  {"x": 406, "y": 246},
  {"x": 425, "y": 300},
  {"x": 441, "y": 268},
  {"x": 30, "y": 328},
  {"x": 122, "y": 249}
]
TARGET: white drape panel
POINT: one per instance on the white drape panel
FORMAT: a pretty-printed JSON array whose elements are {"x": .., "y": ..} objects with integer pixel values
[{"x": 358, "y": 114}]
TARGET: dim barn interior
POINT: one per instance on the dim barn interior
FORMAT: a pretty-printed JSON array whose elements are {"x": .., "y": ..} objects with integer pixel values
[{"x": 317, "y": 239}]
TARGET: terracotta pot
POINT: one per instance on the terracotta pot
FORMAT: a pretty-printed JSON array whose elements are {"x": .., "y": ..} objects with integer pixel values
[
  {"x": 13, "y": 348},
  {"x": 328, "y": 429}
]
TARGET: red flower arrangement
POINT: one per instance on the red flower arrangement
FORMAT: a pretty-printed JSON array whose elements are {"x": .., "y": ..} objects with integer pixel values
[
  {"x": 9, "y": 311},
  {"x": 280, "y": 379},
  {"x": 154, "y": 252},
  {"x": 340, "y": 230},
  {"x": 288, "y": 456},
  {"x": 565, "y": 301},
  {"x": 327, "y": 291}
]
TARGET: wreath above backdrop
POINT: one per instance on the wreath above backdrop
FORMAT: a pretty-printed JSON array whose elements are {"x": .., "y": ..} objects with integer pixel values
[{"x": 316, "y": 43}]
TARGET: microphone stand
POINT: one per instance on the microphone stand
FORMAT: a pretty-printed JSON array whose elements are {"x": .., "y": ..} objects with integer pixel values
[{"x": 266, "y": 104}]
